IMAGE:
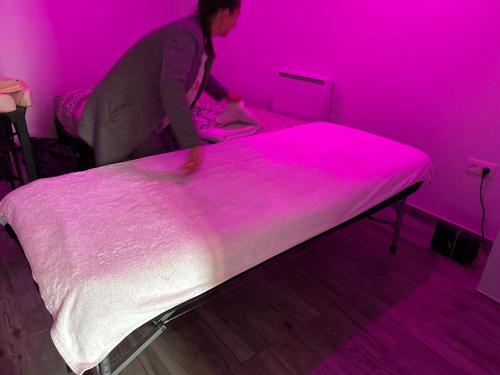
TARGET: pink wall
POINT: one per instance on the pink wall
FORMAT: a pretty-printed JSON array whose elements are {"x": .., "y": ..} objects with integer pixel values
[
  {"x": 57, "y": 46},
  {"x": 426, "y": 73}
]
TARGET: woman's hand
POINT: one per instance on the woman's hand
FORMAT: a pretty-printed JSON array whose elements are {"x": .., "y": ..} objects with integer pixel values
[
  {"x": 193, "y": 162},
  {"x": 234, "y": 98}
]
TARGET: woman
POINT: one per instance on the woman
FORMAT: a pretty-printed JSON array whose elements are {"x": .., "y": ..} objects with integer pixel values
[{"x": 146, "y": 99}]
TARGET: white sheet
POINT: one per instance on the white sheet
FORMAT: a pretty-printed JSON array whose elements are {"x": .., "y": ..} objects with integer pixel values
[
  {"x": 218, "y": 122},
  {"x": 216, "y": 134},
  {"x": 113, "y": 247}
]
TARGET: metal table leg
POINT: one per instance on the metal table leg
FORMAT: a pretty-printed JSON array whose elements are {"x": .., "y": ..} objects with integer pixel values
[
  {"x": 397, "y": 227},
  {"x": 15, "y": 158},
  {"x": 19, "y": 120},
  {"x": 104, "y": 367}
]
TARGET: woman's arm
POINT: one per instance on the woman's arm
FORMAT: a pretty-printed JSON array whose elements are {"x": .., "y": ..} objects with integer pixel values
[
  {"x": 179, "y": 52},
  {"x": 215, "y": 89},
  {"x": 219, "y": 92}
]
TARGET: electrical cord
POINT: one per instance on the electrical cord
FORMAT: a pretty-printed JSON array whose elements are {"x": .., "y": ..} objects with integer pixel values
[{"x": 486, "y": 171}]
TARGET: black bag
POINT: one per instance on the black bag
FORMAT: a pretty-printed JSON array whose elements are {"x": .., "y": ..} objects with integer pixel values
[
  {"x": 55, "y": 158},
  {"x": 455, "y": 243}
]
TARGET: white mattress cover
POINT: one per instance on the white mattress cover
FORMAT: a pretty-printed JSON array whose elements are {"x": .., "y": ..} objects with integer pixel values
[{"x": 113, "y": 247}]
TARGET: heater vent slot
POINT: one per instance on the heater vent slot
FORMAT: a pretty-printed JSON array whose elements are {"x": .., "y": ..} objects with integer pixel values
[
  {"x": 302, "y": 78},
  {"x": 302, "y": 95}
]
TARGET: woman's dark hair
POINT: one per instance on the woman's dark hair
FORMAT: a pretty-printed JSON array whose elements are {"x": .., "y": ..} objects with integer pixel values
[{"x": 207, "y": 9}]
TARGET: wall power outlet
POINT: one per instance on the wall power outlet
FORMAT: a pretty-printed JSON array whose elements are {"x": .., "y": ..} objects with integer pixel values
[{"x": 475, "y": 166}]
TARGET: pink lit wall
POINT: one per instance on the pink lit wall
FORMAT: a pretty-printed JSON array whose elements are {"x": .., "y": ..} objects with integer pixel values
[
  {"x": 426, "y": 73},
  {"x": 58, "y": 46}
]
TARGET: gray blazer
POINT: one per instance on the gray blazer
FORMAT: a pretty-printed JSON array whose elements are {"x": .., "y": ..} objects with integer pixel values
[{"x": 150, "y": 81}]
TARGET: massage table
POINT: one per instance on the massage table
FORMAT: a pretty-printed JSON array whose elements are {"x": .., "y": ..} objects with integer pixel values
[
  {"x": 115, "y": 247},
  {"x": 69, "y": 109}
]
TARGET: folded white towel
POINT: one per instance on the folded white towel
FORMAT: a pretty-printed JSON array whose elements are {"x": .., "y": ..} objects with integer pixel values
[
  {"x": 219, "y": 134},
  {"x": 236, "y": 113},
  {"x": 18, "y": 90},
  {"x": 217, "y": 124},
  {"x": 8, "y": 85},
  {"x": 7, "y": 103}
]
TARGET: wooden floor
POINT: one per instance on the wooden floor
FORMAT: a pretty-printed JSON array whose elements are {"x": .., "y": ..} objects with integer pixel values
[{"x": 340, "y": 304}]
